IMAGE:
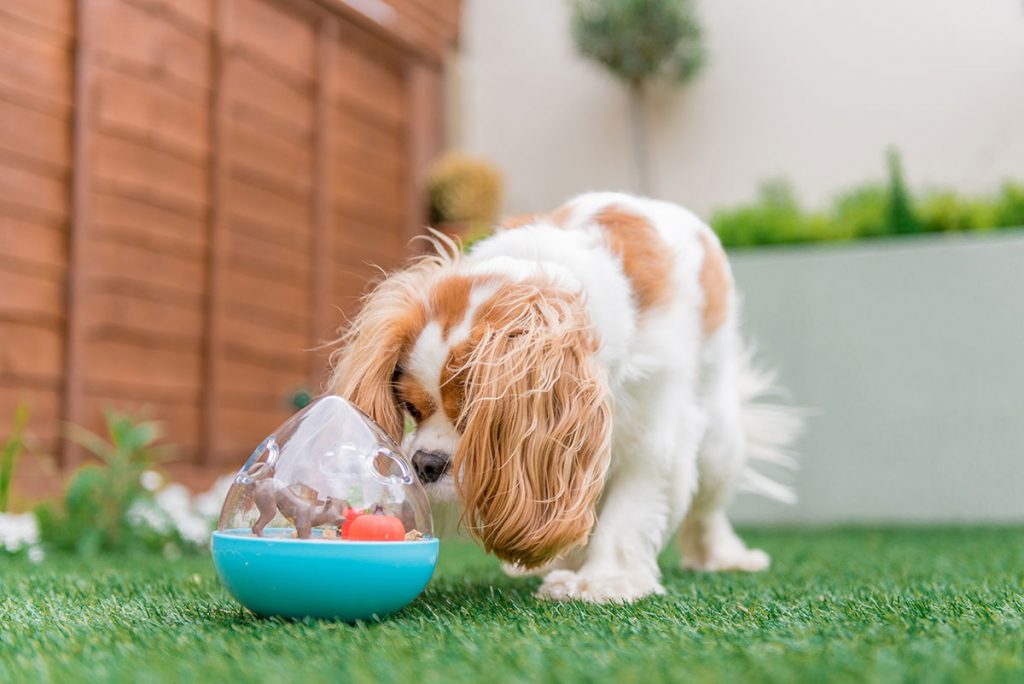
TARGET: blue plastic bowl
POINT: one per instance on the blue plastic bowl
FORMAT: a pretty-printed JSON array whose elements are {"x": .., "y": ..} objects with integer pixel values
[{"x": 340, "y": 580}]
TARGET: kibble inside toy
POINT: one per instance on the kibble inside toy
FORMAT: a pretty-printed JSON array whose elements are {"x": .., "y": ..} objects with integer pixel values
[{"x": 326, "y": 519}]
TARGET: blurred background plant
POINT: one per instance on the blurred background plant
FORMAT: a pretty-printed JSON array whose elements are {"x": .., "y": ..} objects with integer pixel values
[
  {"x": 19, "y": 532},
  {"x": 463, "y": 195},
  {"x": 120, "y": 503},
  {"x": 866, "y": 211},
  {"x": 11, "y": 450},
  {"x": 639, "y": 41}
]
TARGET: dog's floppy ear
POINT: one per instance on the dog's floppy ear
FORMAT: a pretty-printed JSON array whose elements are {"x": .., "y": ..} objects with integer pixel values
[
  {"x": 536, "y": 426},
  {"x": 365, "y": 362}
]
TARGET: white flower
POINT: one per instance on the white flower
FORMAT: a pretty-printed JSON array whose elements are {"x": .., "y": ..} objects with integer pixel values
[
  {"x": 35, "y": 554},
  {"x": 175, "y": 500},
  {"x": 18, "y": 530},
  {"x": 145, "y": 512},
  {"x": 208, "y": 504},
  {"x": 151, "y": 480}
]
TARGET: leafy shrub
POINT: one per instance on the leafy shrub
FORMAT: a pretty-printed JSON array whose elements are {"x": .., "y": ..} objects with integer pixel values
[
  {"x": 10, "y": 453},
  {"x": 640, "y": 39},
  {"x": 463, "y": 189},
  {"x": 862, "y": 211},
  {"x": 866, "y": 211},
  {"x": 1009, "y": 205},
  {"x": 94, "y": 514},
  {"x": 899, "y": 204}
]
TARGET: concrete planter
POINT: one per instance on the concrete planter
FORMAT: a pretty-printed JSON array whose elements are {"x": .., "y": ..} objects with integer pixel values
[{"x": 911, "y": 352}]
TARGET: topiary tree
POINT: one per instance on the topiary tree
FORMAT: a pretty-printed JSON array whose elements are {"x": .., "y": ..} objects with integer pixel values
[
  {"x": 900, "y": 210},
  {"x": 639, "y": 41}
]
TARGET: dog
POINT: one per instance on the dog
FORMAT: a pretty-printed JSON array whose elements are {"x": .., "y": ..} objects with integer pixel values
[{"x": 578, "y": 381}]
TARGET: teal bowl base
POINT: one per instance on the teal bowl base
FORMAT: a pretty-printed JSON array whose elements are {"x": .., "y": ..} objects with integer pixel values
[{"x": 340, "y": 580}]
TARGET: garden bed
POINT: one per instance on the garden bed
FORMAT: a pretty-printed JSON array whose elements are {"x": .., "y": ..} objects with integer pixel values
[{"x": 842, "y": 605}]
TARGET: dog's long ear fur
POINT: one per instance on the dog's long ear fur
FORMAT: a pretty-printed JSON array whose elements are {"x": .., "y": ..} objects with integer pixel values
[
  {"x": 369, "y": 350},
  {"x": 536, "y": 426}
]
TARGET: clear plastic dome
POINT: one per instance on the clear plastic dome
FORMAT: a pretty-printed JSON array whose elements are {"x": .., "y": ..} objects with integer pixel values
[{"x": 328, "y": 473}]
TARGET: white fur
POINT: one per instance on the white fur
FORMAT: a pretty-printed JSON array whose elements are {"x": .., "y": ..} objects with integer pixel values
[{"x": 684, "y": 424}]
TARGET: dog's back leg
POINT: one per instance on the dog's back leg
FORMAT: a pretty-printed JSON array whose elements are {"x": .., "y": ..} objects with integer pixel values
[{"x": 706, "y": 537}]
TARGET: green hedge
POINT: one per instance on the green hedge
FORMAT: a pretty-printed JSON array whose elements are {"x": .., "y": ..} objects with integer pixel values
[{"x": 870, "y": 210}]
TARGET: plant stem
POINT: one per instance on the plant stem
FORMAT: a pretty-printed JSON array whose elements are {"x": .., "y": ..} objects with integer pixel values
[{"x": 638, "y": 126}]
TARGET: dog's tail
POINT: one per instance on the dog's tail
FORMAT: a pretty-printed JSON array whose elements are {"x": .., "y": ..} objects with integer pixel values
[{"x": 771, "y": 429}]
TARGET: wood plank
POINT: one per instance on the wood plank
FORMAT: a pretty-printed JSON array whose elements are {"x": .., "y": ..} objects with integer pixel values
[
  {"x": 145, "y": 109},
  {"x": 247, "y": 255},
  {"x": 32, "y": 298},
  {"x": 356, "y": 243},
  {"x": 241, "y": 429},
  {"x": 36, "y": 66},
  {"x": 272, "y": 318},
  {"x": 164, "y": 269},
  {"x": 368, "y": 210},
  {"x": 141, "y": 367},
  {"x": 369, "y": 84},
  {"x": 179, "y": 419},
  {"x": 260, "y": 91},
  {"x": 423, "y": 141},
  {"x": 36, "y": 136},
  {"x": 140, "y": 35},
  {"x": 242, "y": 286},
  {"x": 281, "y": 161},
  {"x": 126, "y": 162},
  {"x": 37, "y": 244},
  {"x": 143, "y": 314},
  {"x": 388, "y": 192},
  {"x": 56, "y": 15},
  {"x": 250, "y": 335},
  {"x": 356, "y": 136},
  {"x": 247, "y": 201},
  {"x": 273, "y": 32},
  {"x": 30, "y": 351},
  {"x": 241, "y": 377},
  {"x": 35, "y": 194},
  {"x": 40, "y": 433},
  {"x": 323, "y": 212},
  {"x": 78, "y": 267},
  {"x": 249, "y": 233},
  {"x": 127, "y": 219},
  {"x": 217, "y": 235}
]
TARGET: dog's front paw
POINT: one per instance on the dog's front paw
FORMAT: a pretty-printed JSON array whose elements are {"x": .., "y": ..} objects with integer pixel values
[
  {"x": 736, "y": 558},
  {"x": 514, "y": 570},
  {"x": 566, "y": 585}
]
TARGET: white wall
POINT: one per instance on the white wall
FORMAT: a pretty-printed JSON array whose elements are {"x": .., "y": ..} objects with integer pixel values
[
  {"x": 813, "y": 90},
  {"x": 910, "y": 353}
]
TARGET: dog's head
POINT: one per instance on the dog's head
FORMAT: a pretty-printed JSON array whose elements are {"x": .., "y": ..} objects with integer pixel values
[{"x": 499, "y": 374}]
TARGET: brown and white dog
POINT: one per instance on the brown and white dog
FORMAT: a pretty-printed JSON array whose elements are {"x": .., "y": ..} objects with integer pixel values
[{"x": 578, "y": 381}]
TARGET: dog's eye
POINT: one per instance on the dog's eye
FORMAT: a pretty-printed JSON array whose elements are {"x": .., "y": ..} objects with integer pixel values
[{"x": 413, "y": 411}]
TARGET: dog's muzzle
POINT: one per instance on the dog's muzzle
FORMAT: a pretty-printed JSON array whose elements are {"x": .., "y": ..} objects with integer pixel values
[{"x": 430, "y": 465}]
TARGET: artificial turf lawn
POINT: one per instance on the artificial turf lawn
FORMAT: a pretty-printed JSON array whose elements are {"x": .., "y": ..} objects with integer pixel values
[{"x": 841, "y": 605}]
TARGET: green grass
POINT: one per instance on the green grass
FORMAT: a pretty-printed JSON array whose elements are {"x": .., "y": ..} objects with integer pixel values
[{"x": 840, "y": 605}]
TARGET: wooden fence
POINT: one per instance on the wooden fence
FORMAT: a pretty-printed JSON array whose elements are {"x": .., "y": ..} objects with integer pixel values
[{"x": 191, "y": 195}]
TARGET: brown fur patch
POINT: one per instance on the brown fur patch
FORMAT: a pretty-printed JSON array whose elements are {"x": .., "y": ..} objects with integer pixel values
[
  {"x": 415, "y": 397},
  {"x": 449, "y": 300},
  {"x": 716, "y": 281},
  {"x": 536, "y": 424},
  {"x": 646, "y": 259},
  {"x": 453, "y": 382}
]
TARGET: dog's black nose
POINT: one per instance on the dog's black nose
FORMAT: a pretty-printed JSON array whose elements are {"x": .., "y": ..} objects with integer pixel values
[{"x": 430, "y": 465}]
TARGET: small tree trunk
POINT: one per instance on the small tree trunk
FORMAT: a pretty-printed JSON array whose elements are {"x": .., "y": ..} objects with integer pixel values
[{"x": 638, "y": 124}]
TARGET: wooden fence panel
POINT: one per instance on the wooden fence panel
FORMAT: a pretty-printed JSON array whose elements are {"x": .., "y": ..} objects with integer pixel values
[
  {"x": 35, "y": 158},
  {"x": 192, "y": 195}
]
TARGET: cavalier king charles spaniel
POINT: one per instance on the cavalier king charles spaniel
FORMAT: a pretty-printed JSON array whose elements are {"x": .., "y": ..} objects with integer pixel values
[{"x": 578, "y": 382}]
